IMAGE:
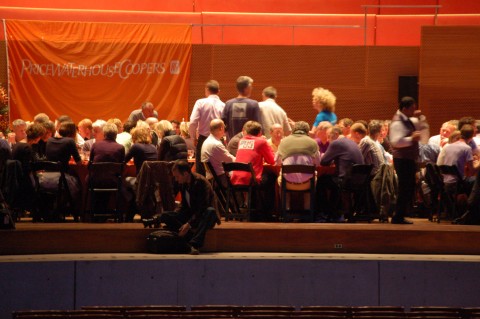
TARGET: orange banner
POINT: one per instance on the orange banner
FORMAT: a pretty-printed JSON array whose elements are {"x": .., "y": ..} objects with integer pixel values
[{"x": 97, "y": 70}]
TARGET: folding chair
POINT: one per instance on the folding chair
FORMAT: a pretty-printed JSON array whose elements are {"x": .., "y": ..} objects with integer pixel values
[
  {"x": 452, "y": 190},
  {"x": 50, "y": 182},
  {"x": 219, "y": 189},
  {"x": 291, "y": 169},
  {"x": 434, "y": 181},
  {"x": 235, "y": 191},
  {"x": 105, "y": 178},
  {"x": 356, "y": 193}
]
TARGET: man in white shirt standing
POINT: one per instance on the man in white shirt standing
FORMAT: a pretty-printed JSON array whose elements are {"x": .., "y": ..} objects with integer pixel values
[
  {"x": 272, "y": 113},
  {"x": 204, "y": 111}
]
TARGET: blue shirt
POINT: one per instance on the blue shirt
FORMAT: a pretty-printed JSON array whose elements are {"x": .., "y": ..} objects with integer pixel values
[{"x": 325, "y": 116}]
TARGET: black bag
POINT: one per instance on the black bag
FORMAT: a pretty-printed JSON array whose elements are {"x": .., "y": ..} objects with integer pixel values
[
  {"x": 166, "y": 242},
  {"x": 6, "y": 219}
]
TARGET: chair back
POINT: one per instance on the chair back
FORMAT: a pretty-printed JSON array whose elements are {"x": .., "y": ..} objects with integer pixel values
[
  {"x": 48, "y": 166},
  {"x": 105, "y": 175},
  {"x": 39, "y": 167},
  {"x": 357, "y": 177},
  {"x": 240, "y": 167},
  {"x": 298, "y": 168},
  {"x": 433, "y": 178},
  {"x": 450, "y": 170}
]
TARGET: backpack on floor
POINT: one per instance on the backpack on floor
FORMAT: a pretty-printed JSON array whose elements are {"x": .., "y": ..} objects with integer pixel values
[{"x": 166, "y": 242}]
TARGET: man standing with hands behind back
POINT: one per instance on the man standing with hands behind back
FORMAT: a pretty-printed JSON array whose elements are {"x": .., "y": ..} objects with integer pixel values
[{"x": 405, "y": 135}]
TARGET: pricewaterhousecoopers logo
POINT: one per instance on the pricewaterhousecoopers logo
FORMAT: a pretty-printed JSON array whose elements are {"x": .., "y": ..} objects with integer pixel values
[{"x": 122, "y": 69}]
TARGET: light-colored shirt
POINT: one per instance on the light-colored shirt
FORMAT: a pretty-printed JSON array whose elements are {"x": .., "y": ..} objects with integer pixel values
[
  {"x": 215, "y": 152},
  {"x": 399, "y": 136},
  {"x": 272, "y": 113},
  {"x": 372, "y": 154},
  {"x": 458, "y": 154},
  {"x": 204, "y": 111}
]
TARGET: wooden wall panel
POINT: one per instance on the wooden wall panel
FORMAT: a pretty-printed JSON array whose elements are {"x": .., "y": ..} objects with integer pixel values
[
  {"x": 450, "y": 72},
  {"x": 364, "y": 79}
]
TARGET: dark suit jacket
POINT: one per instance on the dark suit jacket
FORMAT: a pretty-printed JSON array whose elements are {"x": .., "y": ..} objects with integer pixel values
[
  {"x": 107, "y": 151},
  {"x": 201, "y": 197}
]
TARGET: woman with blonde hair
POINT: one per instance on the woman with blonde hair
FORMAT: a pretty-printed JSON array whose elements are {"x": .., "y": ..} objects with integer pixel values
[{"x": 323, "y": 101}]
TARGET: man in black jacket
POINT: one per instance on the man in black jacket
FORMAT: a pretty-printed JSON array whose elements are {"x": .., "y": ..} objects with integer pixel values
[{"x": 196, "y": 214}]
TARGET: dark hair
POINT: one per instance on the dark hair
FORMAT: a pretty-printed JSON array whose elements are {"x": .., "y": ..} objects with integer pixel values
[
  {"x": 128, "y": 125},
  {"x": 406, "y": 102},
  {"x": 213, "y": 86},
  {"x": 182, "y": 166},
  {"x": 34, "y": 131},
  {"x": 49, "y": 127},
  {"x": 466, "y": 132},
  {"x": 465, "y": 120},
  {"x": 64, "y": 118},
  {"x": 67, "y": 129}
]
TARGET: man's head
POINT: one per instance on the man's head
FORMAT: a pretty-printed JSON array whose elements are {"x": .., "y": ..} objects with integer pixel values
[
  {"x": 35, "y": 132},
  {"x": 162, "y": 127},
  {"x": 276, "y": 132},
  {"x": 68, "y": 129},
  {"x": 466, "y": 120},
  {"x": 269, "y": 93},
  {"x": 61, "y": 119},
  {"x": 253, "y": 128},
  {"x": 151, "y": 121},
  {"x": 467, "y": 132},
  {"x": 407, "y": 106},
  {"x": 244, "y": 85},
  {"x": 110, "y": 131},
  {"x": 375, "y": 129},
  {"x": 217, "y": 128},
  {"x": 19, "y": 128},
  {"x": 128, "y": 126},
  {"x": 333, "y": 133},
  {"x": 85, "y": 128},
  {"x": 301, "y": 127},
  {"x": 212, "y": 87},
  {"x": 321, "y": 131},
  {"x": 447, "y": 129},
  {"x": 41, "y": 118},
  {"x": 357, "y": 132},
  {"x": 182, "y": 172},
  {"x": 345, "y": 124},
  {"x": 323, "y": 100},
  {"x": 147, "y": 109},
  {"x": 176, "y": 126},
  {"x": 98, "y": 129},
  {"x": 49, "y": 130},
  {"x": 118, "y": 123}
]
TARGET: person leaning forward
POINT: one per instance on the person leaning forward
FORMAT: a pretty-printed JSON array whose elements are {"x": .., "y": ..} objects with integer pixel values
[{"x": 196, "y": 214}]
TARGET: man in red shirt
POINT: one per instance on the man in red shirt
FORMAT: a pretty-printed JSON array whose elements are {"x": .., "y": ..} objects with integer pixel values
[{"x": 253, "y": 148}]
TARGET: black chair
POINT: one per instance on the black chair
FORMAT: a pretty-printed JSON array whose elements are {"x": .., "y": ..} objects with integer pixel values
[
  {"x": 356, "y": 193},
  {"x": 288, "y": 214},
  {"x": 234, "y": 192},
  {"x": 219, "y": 189},
  {"x": 452, "y": 190},
  {"x": 155, "y": 191},
  {"x": 105, "y": 178},
  {"x": 434, "y": 181},
  {"x": 51, "y": 183}
]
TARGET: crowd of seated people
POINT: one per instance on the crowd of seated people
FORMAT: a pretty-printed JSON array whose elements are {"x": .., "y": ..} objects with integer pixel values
[
  {"x": 144, "y": 137},
  {"x": 76, "y": 145}
]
